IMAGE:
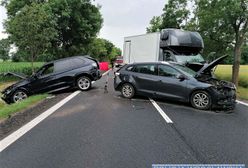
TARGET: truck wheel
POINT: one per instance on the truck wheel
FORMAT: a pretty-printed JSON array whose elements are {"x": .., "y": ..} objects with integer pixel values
[
  {"x": 127, "y": 90},
  {"x": 84, "y": 83}
]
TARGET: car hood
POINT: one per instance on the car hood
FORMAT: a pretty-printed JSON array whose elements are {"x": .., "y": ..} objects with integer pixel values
[
  {"x": 208, "y": 67},
  {"x": 18, "y": 84},
  {"x": 19, "y": 75}
]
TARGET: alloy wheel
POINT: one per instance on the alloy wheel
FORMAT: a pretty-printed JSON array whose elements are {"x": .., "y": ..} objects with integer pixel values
[
  {"x": 201, "y": 100},
  {"x": 84, "y": 83},
  {"x": 19, "y": 96},
  {"x": 127, "y": 91}
]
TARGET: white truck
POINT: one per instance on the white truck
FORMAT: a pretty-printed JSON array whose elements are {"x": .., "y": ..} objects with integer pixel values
[{"x": 168, "y": 45}]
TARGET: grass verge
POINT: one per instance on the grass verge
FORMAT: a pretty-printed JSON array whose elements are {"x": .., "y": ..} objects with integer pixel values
[
  {"x": 242, "y": 93},
  {"x": 6, "y": 110}
]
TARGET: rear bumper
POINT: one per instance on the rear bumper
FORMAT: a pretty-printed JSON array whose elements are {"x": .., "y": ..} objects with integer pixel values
[{"x": 96, "y": 75}]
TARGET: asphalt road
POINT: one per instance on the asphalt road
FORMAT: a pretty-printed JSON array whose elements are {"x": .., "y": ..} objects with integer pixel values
[{"x": 99, "y": 128}]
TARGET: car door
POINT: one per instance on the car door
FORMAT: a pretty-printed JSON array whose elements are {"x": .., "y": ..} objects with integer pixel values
[
  {"x": 170, "y": 84},
  {"x": 146, "y": 78},
  {"x": 64, "y": 72},
  {"x": 44, "y": 80}
]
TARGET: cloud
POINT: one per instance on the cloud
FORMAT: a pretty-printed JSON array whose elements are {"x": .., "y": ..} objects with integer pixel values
[{"x": 125, "y": 18}]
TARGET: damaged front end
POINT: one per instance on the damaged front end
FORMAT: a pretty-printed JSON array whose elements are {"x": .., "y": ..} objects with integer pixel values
[{"x": 224, "y": 93}]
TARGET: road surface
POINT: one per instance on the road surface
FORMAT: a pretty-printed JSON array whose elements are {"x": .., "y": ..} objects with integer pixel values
[{"x": 101, "y": 129}]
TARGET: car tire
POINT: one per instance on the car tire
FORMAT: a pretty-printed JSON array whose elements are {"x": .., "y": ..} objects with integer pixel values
[
  {"x": 201, "y": 100},
  {"x": 84, "y": 83},
  {"x": 127, "y": 90},
  {"x": 18, "y": 96}
]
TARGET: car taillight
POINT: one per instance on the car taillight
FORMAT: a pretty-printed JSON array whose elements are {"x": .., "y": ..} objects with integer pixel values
[
  {"x": 94, "y": 64},
  {"x": 117, "y": 73}
]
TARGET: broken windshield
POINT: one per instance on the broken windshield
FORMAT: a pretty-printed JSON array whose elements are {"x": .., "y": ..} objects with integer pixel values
[{"x": 189, "y": 58}]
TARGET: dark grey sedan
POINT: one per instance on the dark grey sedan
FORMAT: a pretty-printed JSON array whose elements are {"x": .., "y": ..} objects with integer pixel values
[{"x": 176, "y": 82}]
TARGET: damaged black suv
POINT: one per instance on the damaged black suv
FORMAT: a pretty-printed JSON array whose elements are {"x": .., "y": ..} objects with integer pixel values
[
  {"x": 61, "y": 74},
  {"x": 176, "y": 82}
]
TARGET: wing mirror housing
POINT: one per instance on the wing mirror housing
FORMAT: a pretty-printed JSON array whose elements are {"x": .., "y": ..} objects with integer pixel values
[{"x": 181, "y": 77}]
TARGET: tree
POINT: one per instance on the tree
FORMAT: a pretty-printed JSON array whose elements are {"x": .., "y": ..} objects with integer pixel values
[
  {"x": 4, "y": 49},
  {"x": 175, "y": 14},
  {"x": 244, "y": 55},
  {"x": 102, "y": 49},
  {"x": 77, "y": 23},
  {"x": 32, "y": 29},
  {"x": 225, "y": 22},
  {"x": 155, "y": 24}
]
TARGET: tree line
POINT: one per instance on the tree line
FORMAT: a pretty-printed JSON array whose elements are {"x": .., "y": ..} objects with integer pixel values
[
  {"x": 223, "y": 25},
  {"x": 46, "y": 30}
]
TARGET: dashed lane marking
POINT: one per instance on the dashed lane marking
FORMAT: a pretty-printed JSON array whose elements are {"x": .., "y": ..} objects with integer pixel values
[{"x": 162, "y": 113}]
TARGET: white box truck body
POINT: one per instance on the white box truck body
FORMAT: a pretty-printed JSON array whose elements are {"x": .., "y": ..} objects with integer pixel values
[
  {"x": 168, "y": 45},
  {"x": 141, "y": 48}
]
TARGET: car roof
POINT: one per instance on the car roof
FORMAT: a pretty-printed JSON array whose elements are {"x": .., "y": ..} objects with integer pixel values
[
  {"x": 157, "y": 62},
  {"x": 67, "y": 58}
]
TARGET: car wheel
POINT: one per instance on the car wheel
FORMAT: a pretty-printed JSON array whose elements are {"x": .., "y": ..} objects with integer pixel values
[
  {"x": 201, "y": 100},
  {"x": 18, "y": 96},
  {"x": 127, "y": 90},
  {"x": 84, "y": 83}
]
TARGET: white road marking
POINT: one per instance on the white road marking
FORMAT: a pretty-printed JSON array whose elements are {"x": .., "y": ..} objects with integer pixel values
[
  {"x": 105, "y": 73},
  {"x": 162, "y": 113},
  {"x": 4, "y": 143},
  {"x": 240, "y": 102}
]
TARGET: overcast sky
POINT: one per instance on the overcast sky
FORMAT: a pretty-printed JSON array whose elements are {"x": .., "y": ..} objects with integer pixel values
[{"x": 121, "y": 18}]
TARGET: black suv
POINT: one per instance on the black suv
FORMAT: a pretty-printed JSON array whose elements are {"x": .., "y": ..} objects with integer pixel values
[{"x": 61, "y": 74}]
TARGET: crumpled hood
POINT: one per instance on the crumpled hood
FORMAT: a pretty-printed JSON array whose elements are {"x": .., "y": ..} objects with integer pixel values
[
  {"x": 19, "y": 75},
  {"x": 18, "y": 84},
  {"x": 208, "y": 67}
]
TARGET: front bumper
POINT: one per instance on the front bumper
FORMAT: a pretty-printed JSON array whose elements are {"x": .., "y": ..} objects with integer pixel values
[
  {"x": 6, "y": 98},
  {"x": 224, "y": 100}
]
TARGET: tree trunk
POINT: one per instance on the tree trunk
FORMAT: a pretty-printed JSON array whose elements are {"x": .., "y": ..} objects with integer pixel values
[
  {"x": 32, "y": 61},
  {"x": 236, "y": 64}
]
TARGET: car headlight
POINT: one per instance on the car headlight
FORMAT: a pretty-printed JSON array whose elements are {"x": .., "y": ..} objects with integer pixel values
[{"x": 7, "y": 91}]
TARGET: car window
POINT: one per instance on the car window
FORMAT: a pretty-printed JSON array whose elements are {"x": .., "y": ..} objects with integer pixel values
[
  {"x": 77, "y": 62},
  {"x": 130, "y": 68},
  {"x": 146, "y": 69},
  {"x": 49, "y": 69},
  {"x": 62, "y": 66},
  {"x": 164, "y": 70}
]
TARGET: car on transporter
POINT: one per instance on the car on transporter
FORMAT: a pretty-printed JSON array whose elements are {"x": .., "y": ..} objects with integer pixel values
[
  {"x": 176, "y": 82},
  {"x": 73, "y": 72}
]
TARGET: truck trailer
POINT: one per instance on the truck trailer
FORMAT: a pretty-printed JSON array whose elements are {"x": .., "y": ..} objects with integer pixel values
[{"x": 168, "y": 45}]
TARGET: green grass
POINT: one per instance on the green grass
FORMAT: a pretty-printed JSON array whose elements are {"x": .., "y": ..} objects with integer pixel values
[
  {"x": 18, "y": 67},
  {"x": 243, "y": 93},
  {"x": 224, "y": 72},
  {"x": 6, "y": 110}
]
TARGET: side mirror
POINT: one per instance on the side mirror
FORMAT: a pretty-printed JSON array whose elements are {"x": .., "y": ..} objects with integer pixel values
[
  {"x": 35, "y": 76},
  {"x": 181, "y": 77}
]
